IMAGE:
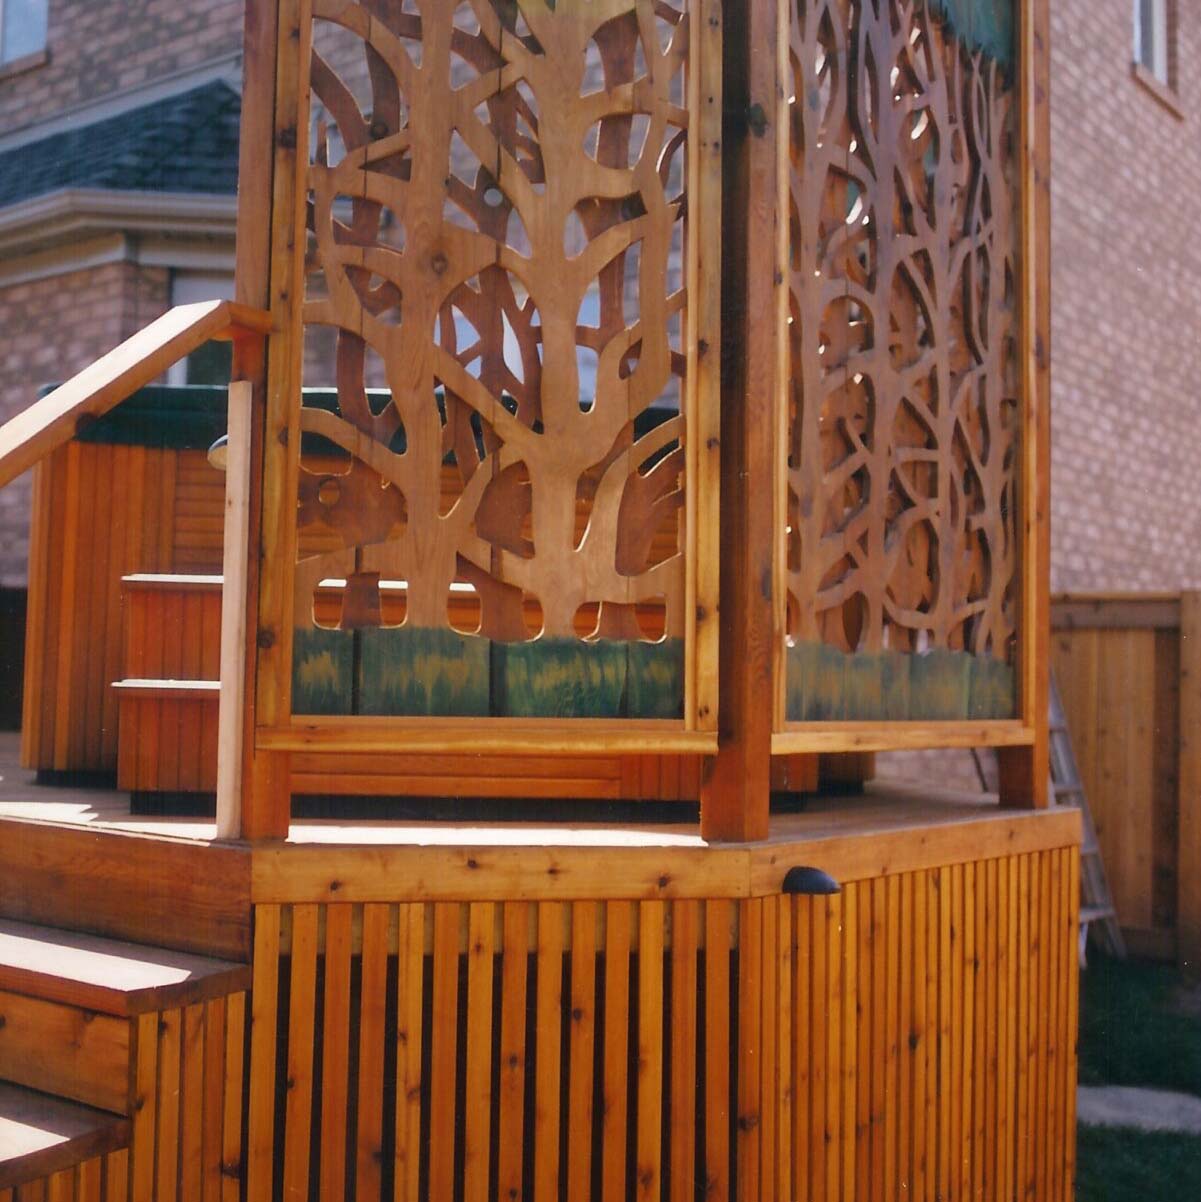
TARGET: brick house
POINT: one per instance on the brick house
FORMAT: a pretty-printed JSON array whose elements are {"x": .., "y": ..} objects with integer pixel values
[{"x": 96, "y": 239}]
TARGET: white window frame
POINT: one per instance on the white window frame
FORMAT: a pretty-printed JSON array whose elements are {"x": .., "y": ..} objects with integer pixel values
[
  {"x": 4, "y": 59},
  {"x": 1153, "y": 17},
  {"x": 186, "y": 289}
]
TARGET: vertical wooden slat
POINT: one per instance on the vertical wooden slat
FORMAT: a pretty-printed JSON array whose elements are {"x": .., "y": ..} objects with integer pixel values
[
  {"x": 787, "y": 1038},
  {"x": 369, "y": 1143},
  {"x": 145, "y": 1106},
  {"x": 167, "y": 1142},
  {"x": 802, "y": 962},
  {"x": 214, "y": 1098},
  {"x": 769, "y": 1034},
  {"x": 302, "y": 1003},
  {"x": 819, "y": 1128},
  {"x": 618, "y": 928},
  {"x": 684, "y": 985},
  {"x": 116, "y": 1176},
  {"x": 582, "y": 1042},
  {"x": 444, "y": 1049},
  {"x": 870, "y": 1032},
  {"x": 191, "y": 1100},
  {"x": 648, "y": 1171},
  {"x": 717, "y": 1050},
  {"x": 548, "y": 1056},
  {"x": 1071, "y": 1019},
  {"x": 887, "y": 1064},
  {"x": 902, "y": 1034},
  {"x": 263, "y": 1035},
  {"x": 836, "y": 984},
  {"x": 231, "y": 1119},
  {"x": 514, "y": 971},
  {"x": 848, "y": 1079},
  {"x": 749, "y": 1049},
  {"x": 60, "y": 1187},
  {"x": 335, "y": 1051},
  {"x": 477, "y": 1102},
  {"x": 89, "y": 1181},
  {"x": 918, "y": 1039},
  {"x": 410, "y": 993}
]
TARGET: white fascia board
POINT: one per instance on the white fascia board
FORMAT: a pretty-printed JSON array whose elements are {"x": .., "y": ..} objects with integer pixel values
[{"x": 73, "y": 215}]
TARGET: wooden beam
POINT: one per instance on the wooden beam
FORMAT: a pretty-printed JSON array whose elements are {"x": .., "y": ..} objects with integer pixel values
[
  {"x": 60, "y": 415},
  {"x": 1023, "y": 774},
  {"x": 736, "y": 788},
  {"x": 256, "y": 805},
  {"x": 1188, "y": 842}
]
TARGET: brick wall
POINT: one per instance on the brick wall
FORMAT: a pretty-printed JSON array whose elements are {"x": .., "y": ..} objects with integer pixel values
[
  {"x": 98, "y": 47},
  {"x": 52, "y": 329},
  {"x": 1126, "y": 289}
]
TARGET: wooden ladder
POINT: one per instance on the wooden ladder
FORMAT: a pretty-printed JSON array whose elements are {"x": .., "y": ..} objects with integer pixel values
[{"x": 1096, "y": 903}]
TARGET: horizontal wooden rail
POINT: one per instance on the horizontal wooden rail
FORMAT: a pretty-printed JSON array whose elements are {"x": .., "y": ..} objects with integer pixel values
[{"x": 57, "y": 417}]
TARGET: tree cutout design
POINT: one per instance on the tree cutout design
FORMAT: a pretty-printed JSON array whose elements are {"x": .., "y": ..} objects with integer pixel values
[
  {"x": 903, "y": 401},
  {"x": 494, "y": 201}
]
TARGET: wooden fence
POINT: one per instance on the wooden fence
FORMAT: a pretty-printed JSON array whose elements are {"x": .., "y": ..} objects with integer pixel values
[{"x": 1129, "y": 671}]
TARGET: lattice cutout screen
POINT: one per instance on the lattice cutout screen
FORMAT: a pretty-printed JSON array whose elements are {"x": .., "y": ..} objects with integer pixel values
[
  {"x": 903, "y": 398},
  {"x": 494, "y": 495}
]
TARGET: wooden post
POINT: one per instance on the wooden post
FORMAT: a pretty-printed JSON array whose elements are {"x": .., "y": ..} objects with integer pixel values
[
  {"x": 1023, "y": 771},
  {"x": 231, "y": 705},
  {"x": 736, "y": 789},
  {"x": 258, "y": 806},
  {"x": 1188, "y": 841}
]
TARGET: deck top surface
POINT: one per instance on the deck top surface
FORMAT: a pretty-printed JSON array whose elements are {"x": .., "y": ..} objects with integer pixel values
[
  {"x": 108, "y": 974},
  {"x": 40, "y": 1135},
  {"x": 885, "y": 807}
]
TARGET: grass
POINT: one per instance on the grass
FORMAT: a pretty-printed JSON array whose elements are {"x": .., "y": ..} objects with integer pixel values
[
  {"x": 1133, "y": 1030},
  {"x": 1116, "y": 1164}
]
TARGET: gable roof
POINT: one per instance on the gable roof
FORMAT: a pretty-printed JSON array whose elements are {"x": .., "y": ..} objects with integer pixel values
[{"x": 186, "y": 143}]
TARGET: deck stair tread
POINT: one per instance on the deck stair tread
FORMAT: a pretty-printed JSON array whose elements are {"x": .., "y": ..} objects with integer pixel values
[
  {"x": 41, "y": 1135},
  {"x": 108, "y": 975}
]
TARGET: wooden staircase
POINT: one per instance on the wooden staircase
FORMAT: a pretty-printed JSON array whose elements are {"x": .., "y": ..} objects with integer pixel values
[
  {"x": 86, "y": 1087},
  {"x": 120, "y": 1062}
]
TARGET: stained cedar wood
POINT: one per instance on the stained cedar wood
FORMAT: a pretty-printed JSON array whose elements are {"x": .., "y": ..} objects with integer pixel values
[
  {"x": 107, "y": 975},
  {"x": 1023, "y": 773},
  {"x": 735, "y": 790},
  {"x": 53, "y": 420},
  {"x": 41, "y": 1135},
  {"x": 65, "y": 1051},
  {"x": 164, "y": 892}
]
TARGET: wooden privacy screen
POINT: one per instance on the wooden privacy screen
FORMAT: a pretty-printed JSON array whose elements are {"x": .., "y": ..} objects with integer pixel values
[
  {"x": 903, "y": 419},
  {"x": 502, "y": 240},
  {"x": 914, "y": 1031}
]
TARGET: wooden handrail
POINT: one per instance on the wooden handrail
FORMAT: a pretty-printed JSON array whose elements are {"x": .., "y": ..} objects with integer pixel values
[{"x": 56, "y": 418}]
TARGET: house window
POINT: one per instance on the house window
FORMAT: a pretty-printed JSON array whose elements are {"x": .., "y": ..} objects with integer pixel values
[
  {"x": 22, "y": 28},
  {"x": 1152, "y": 38},
  {"x": 211, "y": 363}
]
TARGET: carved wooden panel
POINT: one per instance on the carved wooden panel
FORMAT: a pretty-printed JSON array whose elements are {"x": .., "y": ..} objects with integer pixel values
[
  {"x": 904, "y": 393},
  {"x": 496, "y": 212}
]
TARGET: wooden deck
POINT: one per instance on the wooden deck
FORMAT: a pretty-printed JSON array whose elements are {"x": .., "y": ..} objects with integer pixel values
[{"x": 884, "y": 811}]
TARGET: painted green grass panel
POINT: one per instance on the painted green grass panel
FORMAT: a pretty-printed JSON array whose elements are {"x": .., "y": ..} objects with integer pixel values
[
  {"x": 940, "y": 685},
  {"x": 322, "y": 671},
  {"x": 656, "y": 679},
  {"x": 560, "y": 678},
  {"x": 423, "y": 672},
  {"x": 828, "y": 685},
  {"x": 986, "y": 25}
]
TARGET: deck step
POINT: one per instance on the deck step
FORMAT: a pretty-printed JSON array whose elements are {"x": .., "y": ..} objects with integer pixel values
[
  {"x": 106, "y": 975},
  {"x": 41, "y": 1135}
]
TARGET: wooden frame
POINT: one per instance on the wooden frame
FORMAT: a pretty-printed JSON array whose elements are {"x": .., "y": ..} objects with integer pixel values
[{"x": 1021, "y": 742}]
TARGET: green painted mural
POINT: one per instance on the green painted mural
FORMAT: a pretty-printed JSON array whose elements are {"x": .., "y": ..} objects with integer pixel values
[
  {"x": 986, "y": 25},
  {"x": 825, "y": 684},
  {"x": 424, "y": 672}
]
